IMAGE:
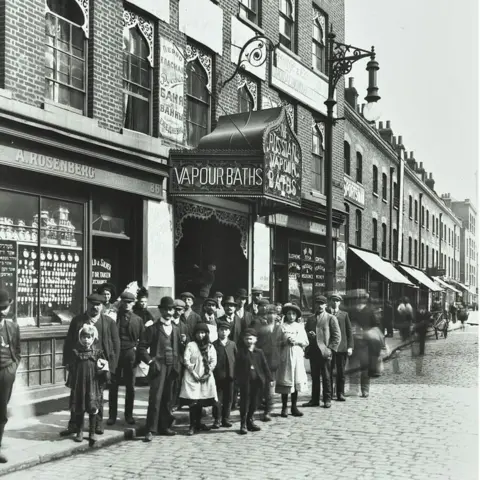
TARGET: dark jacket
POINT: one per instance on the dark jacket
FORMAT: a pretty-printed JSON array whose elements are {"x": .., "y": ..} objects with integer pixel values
[
  {"x": 236, "y": 329},
  {"x": 144, "y": 314},
  {"x": 149, "y": 340},
  {"x": 191, "y": 321},
  {"x": 108, "y": 339},
  {"x": 243, "y": 364},
  {"x": 346, "y": 340},
  {"x": 267, "y": 341},
  {"x": 135, "y": 325},
  {"x": 13, "y": 339},
  {"x": 230, "y": 350}
]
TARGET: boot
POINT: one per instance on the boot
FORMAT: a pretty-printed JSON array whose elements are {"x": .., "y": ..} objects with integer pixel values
[
  {"x": 3, "y": 458},
  {"x": 243, "y": 427},
  {"x": 295, "y": 411},
  {"x": 79, "y": 436},
  {"x": 252, "y": 426},
  {"x": 284, "y": 413},
  {"x": 92, "y": 438},
  {"x": 199, "y": 426},
  {"x": 192, "y": 414}
]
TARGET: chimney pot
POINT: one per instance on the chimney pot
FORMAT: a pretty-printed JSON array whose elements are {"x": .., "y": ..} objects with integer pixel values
[
  {"x": 388, "y": 124},
  {"x": 430, "y": 176},
  {"x": 350, "y": 82},
  {"x": 380, "y": 125},
  {"x": 400, "y": 140},
  {"x": 411, "y": 154},
  {"x": 420, "y": 165}
]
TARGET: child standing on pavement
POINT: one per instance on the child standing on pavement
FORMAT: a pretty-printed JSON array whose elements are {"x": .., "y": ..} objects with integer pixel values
[{"x": 89, "y": 368}]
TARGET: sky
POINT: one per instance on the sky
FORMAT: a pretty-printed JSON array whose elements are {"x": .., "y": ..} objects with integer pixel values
[{"x": 428, "y": 52}]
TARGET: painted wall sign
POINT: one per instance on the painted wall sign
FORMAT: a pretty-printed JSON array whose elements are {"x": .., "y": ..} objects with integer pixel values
[
  {"x": 101, "y": 271},
  {"x": 299, "y": 223},
  {"x": 78, "y": 171},
  {"x": 353, "y": 191},
  {"x": 172, "y": 80}
]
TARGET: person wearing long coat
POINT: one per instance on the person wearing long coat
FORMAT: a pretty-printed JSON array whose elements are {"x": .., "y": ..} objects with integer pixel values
[
  {"x": 198, "y": 385},
  {"x": 291, "y": 376}
]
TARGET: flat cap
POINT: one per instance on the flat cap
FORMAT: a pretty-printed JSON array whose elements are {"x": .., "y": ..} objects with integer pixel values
[
  {"x": 263, "y": 302},
  {"x": 320, "y": 299},
  {"x": 249, "y": 332},
  {"x": 224, "y": 324},
  {"x": 336, "y": 297},
  {"x": 187, "y": 295},
  {"x": 96, "y": 298},
  {"x": 218, "y": 294},
  {"x": 178, "y": 304},
  {"x": 257, "y": 290},
  {"x": 210, "y": 300},
  {"x": 127, "y": 297}
]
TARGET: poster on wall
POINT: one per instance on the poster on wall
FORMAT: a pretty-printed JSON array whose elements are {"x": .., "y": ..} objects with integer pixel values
[
  {"x": 261, "y": 256},
  {"x": 341, "y": 268},
  {"x": 8, "y": 267},
  {"x": 101, "y": 272},
  {"x": 172, "y": 78}
]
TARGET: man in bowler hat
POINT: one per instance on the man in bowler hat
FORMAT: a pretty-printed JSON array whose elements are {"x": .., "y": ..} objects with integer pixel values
[
  {"x": 324, "y": 336},
  {"x": 235, "y": 322},
  {"x": 108, "y": 341},
  {"x": 160, "y": 348},
  {"x": 9, "y": 360}
]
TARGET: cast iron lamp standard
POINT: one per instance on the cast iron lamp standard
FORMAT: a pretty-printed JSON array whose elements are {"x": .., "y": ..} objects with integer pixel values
[{"x": 340, "y": 59}]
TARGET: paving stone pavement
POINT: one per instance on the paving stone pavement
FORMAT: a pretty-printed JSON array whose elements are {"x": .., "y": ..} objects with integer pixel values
[{"x": 411, "y": 427}]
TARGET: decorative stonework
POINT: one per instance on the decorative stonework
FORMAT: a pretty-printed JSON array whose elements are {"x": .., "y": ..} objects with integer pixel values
[
  {"x": 85, "y": 8},
  {"x": 290, "y": 111},
  {"x": 131, "y": 20},
  {"x": 318, "y": 16},
  {"x": 251, "y": 86},
  {"x": 193, "y": 53},
  {"x": 192, "y": 210}
]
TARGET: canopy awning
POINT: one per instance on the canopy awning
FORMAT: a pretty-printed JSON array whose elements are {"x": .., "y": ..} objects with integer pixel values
[
  {"x": 384, "y": 268},
  {"x": 459, "y": 284},
  {"x": 445, "y": 285},
  {"x": 422, "y": 278}
]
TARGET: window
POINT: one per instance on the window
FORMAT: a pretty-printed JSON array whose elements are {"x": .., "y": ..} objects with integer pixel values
[
  {"x": 415, "y": 252},
  {"x": 416, "y": 210},
  {"x": 403, "y": 247},
  {"x": 396, "y": 195},
  {"x": 423, "y": 216},
  {"x": 375, "y": 179},
  {"x": 198, "y": 103},
  {"x": 410, "y": 250},
  {"x": 359, "y": 167},
  {"x": 245, "y": 100},
  {"x": 346, "y": 157},
  {"x": 436, "y": 226},
  {"x": 137, "y": 81},
  {"x": 65, "y": 54},
  {"x": 249, "y": 10},
  {"x": 410, "y": 206},
  {"x": 358, "y": 228},
  {"x": 384, "y": 239},
  {"x": 422, "y": 255},
  {"x": 318, "y": 41},
  {"x": 395, "y": 243},
  {"x": 384, "y": 186},
  {"x": 426, "y": 256},
  {"x": 375, "y": 235},
  {"x": 347, "y": 223},
  {"x": 287, "y": 24},
  {"x": 317, "y": 160},
  {"x": 436, "y": 259}
]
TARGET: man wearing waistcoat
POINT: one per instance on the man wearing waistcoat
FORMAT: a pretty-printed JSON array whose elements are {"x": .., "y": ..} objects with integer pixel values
[
  {"x": 324, "y": 336},
  {"x": 130, "y": 328},
  {"x": 160, "y": 349},
  {"x": 9, "y": 360}
]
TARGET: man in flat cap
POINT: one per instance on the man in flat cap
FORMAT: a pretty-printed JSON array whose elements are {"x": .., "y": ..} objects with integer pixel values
[
  {"x": 178, "y": 312},
  {"x": 235, "y": 322},
  {"x": 345, "y": 347},
  {"x": 209, "y": 317},
  {"x": 257, "y": 295},
  {"x": 130, "y": 329},
  {"x": 108, "y": 341},
  {"x": 260, "y": 318},
  {"x": 189, "y": 317},
  {"x": 324, "y": 336},
  {"x": 9, "y": 360}
]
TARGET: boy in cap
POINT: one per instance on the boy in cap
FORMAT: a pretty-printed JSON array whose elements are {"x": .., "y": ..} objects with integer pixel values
[
  {"x": 224, "y": 373},
  {"x": 209, "y": 317},
  {"x": 189, "y": 317},
  {"x": 9, "y": 360},
  {"x": 130, "y": 329},
  {"x": 252, "y": 374}
]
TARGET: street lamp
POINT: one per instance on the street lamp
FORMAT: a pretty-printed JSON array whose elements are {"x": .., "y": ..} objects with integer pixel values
[{"x": 340, "y": 59}]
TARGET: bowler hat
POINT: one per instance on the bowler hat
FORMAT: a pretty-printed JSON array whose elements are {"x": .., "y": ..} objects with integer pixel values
[
  {"x": 166, "y": 302},
  {"x": 201, "y": 327},
  {"x": 223, "y": 324},
  {"x": 127, "y": 297},
  {"x": 107, "y": 286},
  {"x": 187, "y": 295},
  {"x": 336, "y": 297},
  {"x": 257, "y": 290},
  {"x": 320, "y": 299},
  {"x": 218, "y": 294},
  {"x": 179, "y": 304},
  {"x": 249, "y": 332},
  {"x": 230, "y": 301},
  {"x": 210, "y": 300},
  {"x": 96, "y": 298},
  {"x": 292, "y": 306},
  {"x": 5, "y": 299},
  {"x": 241, "y": 293}
]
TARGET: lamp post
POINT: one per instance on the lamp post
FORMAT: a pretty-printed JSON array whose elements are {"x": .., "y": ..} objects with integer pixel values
[{"x": 340, "y": 59}]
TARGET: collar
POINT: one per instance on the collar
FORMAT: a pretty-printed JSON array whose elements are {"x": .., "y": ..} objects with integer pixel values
[
  {"x": 176, "y": 321},
  {"x": 165, "y": 322}
]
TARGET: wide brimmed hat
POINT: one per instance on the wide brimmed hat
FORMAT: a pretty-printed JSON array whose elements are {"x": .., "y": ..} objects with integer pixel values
[
  {"x": 292, "y": 306},
  {"x": 230, "y": 301},
  {"x": 201, "y": 327},
  {"x": 5, "y": 299},
  {"x": 96, "y": 299},
  {"x": 241, "y": 293},
  {"x": 166, "y": 302},
  {"x": 187, "y": 295},
  {"x": 210, "y": 300}
]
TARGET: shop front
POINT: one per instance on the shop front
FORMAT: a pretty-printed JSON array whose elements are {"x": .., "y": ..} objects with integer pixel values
[
  {"x": 426, "y": 287},
  {"x": 447, "y": 296},
  {"x": 66, "y": 226}
]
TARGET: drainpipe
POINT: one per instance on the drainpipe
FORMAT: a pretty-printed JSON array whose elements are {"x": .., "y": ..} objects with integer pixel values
[
  {"x": 401, "y": 187},
  {"x": 440, "y": 243},
  {"x": 454, "y": 248},
  {"x": 390, "y": 228},
  {"x": 420, "y": 263}
]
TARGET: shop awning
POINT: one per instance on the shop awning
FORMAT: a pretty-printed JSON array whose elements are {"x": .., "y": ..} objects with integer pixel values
[
  {"x": 385, "y": 269},
  {"x": 445, "y": 285},
  {"x": 459, "y": 284},
  {"x": 422, "y": 278}
]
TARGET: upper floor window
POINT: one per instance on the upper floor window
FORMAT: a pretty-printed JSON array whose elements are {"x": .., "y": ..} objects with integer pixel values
[
  {"x": 384, "y": 186},
  {"x": 395, "y": 243},
  {"x": 422, "y": 255},
  {"x": 287, "y": 23},
  {"x": 359, "y": 167},
  {"x": 318, "y": 41},
  {"x": 375, "y": 179},
  {"x": 415, "y": 252},
  {"x": 396, "y": 195},
  {"x": 346, "y": 157},
  {"x": 375, "y": 234},
  {"x": 416, "y": 210},
  {"x": 347, "y": 222},
  {"x": 410, "y": 250},
  {"x": 410, "y": 206},
  {"x": 318, "y": 160},
  {"x": 436, "y": 226},
  {"x": 137, "y": 76},
  {"x": 358, "y": 228},
  {"x": 433, "y": 224},
  {"x": 65, "y": 54},
  {"x": 426, "y": 255},
  {"x": 384, "y": 239},
  {"x": 423, "y": 216},
  {"x": 249, "y": 10}
]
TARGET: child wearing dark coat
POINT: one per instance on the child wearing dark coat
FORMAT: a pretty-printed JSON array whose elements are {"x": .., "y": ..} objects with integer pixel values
[
  {"x": 252, "y": 374},
  {"x": 88, "y": 370}
]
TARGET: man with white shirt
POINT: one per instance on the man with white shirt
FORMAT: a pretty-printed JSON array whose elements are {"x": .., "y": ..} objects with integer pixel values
[
  {"x": 159, "y": 348},
  {"x": 209, "y": 317},
  {"x": 232, "y": 319}
]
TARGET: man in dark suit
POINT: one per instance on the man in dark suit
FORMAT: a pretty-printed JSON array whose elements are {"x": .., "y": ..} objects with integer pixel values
[
  {"x": 257, "y": 295},
  {"x": 179, "y": 310},
  {"x": 130, "y": 329},
  {"x": 345, "y": 347},
  {"x": 189, "y": 317},
  {"x": 241, "y": 297},
  {"x": 324, "y": 337},
  {"x": 9, "y": 360},
  {"x": 235, "y": 322},
  {"x": 160, "y": 349},
  {"x": 108, "y": 341}
]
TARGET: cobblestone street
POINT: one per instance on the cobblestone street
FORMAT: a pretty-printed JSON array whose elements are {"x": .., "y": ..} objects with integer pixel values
[{"x": 411, "y": 427}]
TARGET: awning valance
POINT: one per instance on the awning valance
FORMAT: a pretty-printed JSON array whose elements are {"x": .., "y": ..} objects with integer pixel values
[
  {"x": 459, "y": 284},
  {"x": 384, "y": 268},
  {"x": 445, "y": 284},
  {"x": 422, "y": 278}
]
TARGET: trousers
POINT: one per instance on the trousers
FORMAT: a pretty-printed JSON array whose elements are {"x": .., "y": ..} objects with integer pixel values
[
  {"x": 7, "y": 379},
  {"x": 320, "y": 368},
  {"x": 225, "y": 396},
  {"x": 126, "y": 369},
  {"x": 249, "y": 392},
  {"x": 339, "y": 361}
]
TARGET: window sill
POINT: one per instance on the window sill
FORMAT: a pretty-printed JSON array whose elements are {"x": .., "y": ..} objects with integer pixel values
[
  {"x": 290, "y": 52},
  {"x": 135, "y": 134},
  {"x": 5, "y": 93},
  {"x": 375, "y": 194},
  {"x": 384, "y": 200},
  {"x": 320, "y": 73},
  {"x": 318, "y": 194},
  {"x": 251, "y": 24},
  {"x": 54, "y": 107}
]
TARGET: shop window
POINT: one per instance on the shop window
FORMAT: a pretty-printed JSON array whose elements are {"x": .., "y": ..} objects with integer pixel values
[
  {"x": 410, "y": 207},
  {"x": 65, "y": 54},
  {"x": 375, "y": 234},
  {"x": 375, "y": 179},
  {"x": 410, "y": 250},
  {"x": 319, "y": 40},
  {"x": 346, "y": 157},
  {"x": 41, "y": 257},
  {"x": 358, "y": 228},
  {"x": 137, "y": 80},
  {"x": 318, "y": 160},
  {"x": 384, "y": 239},
  {"x": 287, "y": 24},
  {"x": 249, "y": 9},
  {"x": 359, "y": 171},
  {"x": 384, "y": 186}
]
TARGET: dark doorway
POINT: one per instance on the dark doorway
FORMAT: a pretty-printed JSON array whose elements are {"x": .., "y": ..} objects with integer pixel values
[{"x": 206, "y": 242}]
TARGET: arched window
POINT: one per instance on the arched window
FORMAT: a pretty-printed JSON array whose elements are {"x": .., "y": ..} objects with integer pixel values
[
  {"x": 245, "y": 100},
  {"x": 65, "y": 54},
  {"x": 375, "y": 179},
  {"x": 358, "y": 228},
  {"x": 318, "y": 161},
  {"x": 318, "y": 41},
  {"x": 287, "y": 24},
  {"x": 347, "y": 223},
  {"x": 137, "y": 81},
  {"x": 198, "y": 103},
  {"x": 346, "y": 157},
  {"x": 359, "y": 168},
  {"x": 384, "y": 239},
  {"x": 374, "y": 234}
]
